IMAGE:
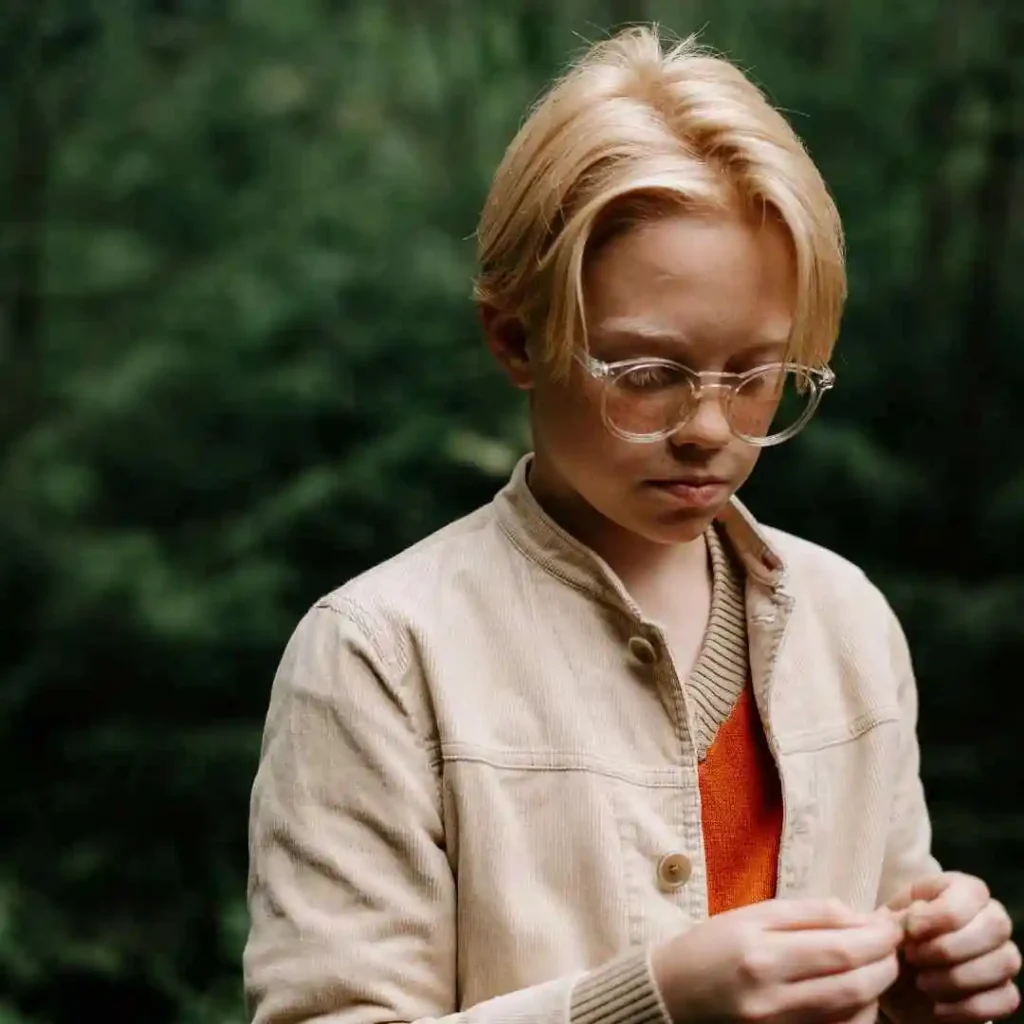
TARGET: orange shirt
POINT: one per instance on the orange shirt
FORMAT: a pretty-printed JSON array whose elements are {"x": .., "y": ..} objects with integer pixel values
[{"x": 741, "y": 811}]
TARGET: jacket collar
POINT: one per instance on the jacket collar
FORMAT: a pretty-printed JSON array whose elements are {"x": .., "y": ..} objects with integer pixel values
[{"x": 541, "y": 539}]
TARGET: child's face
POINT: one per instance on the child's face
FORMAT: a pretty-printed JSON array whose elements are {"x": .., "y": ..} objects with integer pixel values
[{"x": 713, "y": 293}]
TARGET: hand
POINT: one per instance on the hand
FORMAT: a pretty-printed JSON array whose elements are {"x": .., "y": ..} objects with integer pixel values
[
  {"x": 958, "y": 950},
  {"x": 798, "y": 961}
]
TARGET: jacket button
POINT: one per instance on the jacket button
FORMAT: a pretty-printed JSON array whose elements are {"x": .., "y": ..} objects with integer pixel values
[
  {"x": 674, "y": 870},
  {"x": 642, "y": 650}
]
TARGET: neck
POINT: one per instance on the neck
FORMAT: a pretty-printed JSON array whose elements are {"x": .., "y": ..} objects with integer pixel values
[{"x": 646, "y": 568}]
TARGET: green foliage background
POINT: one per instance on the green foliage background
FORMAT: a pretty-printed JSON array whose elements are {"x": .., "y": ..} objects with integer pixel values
[{"x": 239, "y": 364}]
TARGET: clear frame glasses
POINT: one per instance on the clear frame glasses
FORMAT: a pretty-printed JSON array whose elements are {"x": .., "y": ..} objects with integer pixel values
[{"x": 648, "y": 399}]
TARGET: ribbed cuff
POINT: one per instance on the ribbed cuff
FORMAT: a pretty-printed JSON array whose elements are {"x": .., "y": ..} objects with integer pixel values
[{"x": 622, "y": 991}]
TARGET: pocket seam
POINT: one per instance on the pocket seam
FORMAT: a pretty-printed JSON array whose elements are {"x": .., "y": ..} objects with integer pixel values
[{"x": 822, "y": 737}]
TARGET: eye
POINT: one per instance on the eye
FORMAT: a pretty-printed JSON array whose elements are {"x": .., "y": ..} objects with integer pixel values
[
  {"x": 651, "y": 377},
  {"x": 761, "y": 381}
]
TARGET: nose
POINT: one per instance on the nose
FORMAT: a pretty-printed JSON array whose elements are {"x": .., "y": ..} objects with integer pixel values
[{"x": 708, "y": 424}]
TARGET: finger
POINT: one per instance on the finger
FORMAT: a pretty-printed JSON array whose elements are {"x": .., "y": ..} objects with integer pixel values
[
  {"x": 899, "y": 917},
  {"x": 789, "y": 915},
  {"x": 839, "y": 996},
  {"x": 986, "y": 932},
  {"x": 983, "y": 1006},
  {"x": 893, "y": 917},
  {"x": 901, "y": 900},
  {"x": 868, "y": 1015},
  {"x": 932, "y": 887},
  {"x": 991, "y": 971},
  {"x": 814, "y": 954},
  {"x": 963, "y": 899}
]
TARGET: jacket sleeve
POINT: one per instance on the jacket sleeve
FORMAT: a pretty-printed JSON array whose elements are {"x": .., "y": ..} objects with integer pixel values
[
  {"x": 352, "y": 899},
  {"x": 908, "y": 855}
]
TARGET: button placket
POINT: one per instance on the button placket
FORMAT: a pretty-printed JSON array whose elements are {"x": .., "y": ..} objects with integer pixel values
[{"x": 674, "y": 873}]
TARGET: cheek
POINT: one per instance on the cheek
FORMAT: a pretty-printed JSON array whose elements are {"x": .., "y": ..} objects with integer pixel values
[
  {"x": 564, "y": 415},
  {"x": 567, "y": 423},
  {"x": 744, "y": 458}
]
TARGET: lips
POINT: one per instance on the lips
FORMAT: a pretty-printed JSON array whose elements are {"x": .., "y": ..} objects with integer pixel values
[
  {"x": 691, "y": 481},
  {"x": 696, "y": 492}
]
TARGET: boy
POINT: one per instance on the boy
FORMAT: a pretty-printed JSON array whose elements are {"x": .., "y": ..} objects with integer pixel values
[{"x": 606, "y": 751}]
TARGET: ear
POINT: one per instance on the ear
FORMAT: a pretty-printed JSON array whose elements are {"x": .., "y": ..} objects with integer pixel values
[{"x": 508, "y": 341}]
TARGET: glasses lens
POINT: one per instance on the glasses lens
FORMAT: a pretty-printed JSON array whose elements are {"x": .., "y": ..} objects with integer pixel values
[
  {"x": 649, "y": 398},
  {"x": 773, "y": 402}
]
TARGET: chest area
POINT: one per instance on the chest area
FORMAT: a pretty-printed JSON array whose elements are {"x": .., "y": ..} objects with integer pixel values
[{"x": 560, "y": 681}]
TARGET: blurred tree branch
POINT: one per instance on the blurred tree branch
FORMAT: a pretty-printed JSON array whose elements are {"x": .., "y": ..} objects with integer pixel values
[
  {"x": 983, "y": 313},
  {"x": 27, "y": 132}
]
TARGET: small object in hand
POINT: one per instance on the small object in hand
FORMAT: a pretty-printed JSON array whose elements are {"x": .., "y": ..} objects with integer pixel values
[{"x": 899, "y": 918}]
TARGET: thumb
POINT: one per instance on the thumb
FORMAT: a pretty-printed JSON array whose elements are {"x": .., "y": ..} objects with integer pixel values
[{"x": 908, "y": 918}]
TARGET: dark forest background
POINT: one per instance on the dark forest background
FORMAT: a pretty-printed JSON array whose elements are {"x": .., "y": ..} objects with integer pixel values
[{"x": 239, "y": 363}]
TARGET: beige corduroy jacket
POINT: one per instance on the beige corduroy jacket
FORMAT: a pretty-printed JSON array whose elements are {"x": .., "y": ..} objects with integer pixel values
[{"x": 478, "y": 793}]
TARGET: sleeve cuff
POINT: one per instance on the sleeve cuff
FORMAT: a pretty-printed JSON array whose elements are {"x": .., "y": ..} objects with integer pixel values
[{"x": 622, "y": 991}]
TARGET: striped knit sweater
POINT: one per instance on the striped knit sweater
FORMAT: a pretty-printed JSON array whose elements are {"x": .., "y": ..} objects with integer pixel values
[{"x": 741, "y": 799}]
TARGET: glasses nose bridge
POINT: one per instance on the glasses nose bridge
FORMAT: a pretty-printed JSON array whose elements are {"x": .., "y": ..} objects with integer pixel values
[
  {"x": 712, "y": 419},
  {"x": 711, "y": 380}
]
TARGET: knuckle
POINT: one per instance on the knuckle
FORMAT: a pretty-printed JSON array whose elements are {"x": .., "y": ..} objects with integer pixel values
[
  {"x": 951, "y": 979},
  {"x": 889, "y": 974},
  {"x": 1014, "y": 999},
  {"x": 941, "y": 949},
  {"x": 998, "y": 1003},
  {"x": 1013, "y": 959},
  {"x": 997, "y": 908},
  {"x": 853, "y": 990},
  {"x": 1002, "y": 1003},
  {"x": 947, "y": 920},
  {"x": 1003, "y": 921},
  {"x": 968, "y": 887},
  {"x": 756, "y": 1007},
  {"x": 865, "y": 985},
  {"x": 756, "y": 965},
  {"x": 842, "y": 957}
]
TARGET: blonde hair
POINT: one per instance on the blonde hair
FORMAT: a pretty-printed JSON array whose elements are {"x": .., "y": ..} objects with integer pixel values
[{"x": 626, "y": 134}]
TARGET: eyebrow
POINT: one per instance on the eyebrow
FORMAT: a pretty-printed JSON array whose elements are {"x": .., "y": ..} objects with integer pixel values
[{"x": 627, "y": 337}]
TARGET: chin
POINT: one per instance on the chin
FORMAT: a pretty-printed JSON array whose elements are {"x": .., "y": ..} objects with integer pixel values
[
  {"x": 686, "y": 534},
  {"x": 679, "y": 529}
]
